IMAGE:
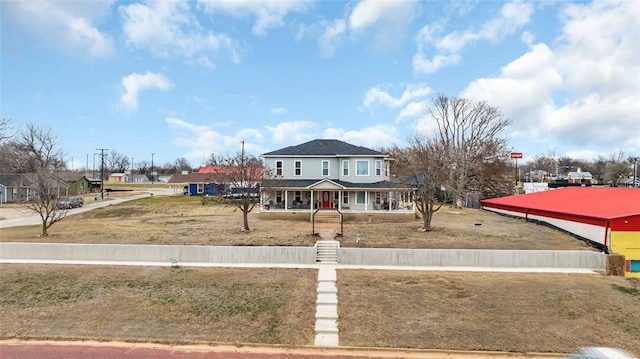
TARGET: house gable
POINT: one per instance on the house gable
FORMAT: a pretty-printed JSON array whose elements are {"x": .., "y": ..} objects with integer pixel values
[{"x": 326, "y": 184}]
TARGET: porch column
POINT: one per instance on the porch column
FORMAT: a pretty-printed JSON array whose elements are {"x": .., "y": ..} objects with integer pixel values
[
  {"x": 286, "y": 199},
  {"x": 366, "y": 201}
]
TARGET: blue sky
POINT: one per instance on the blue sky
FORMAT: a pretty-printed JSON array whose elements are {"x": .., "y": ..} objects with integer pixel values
[{"x": 191, "y": 78}]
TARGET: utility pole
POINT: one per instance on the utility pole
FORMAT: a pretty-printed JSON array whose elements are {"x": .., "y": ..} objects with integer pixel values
[
  {"x": 635, "y": 171},
  {"x": 101, "y": 171},
  {"x": 152, "y": 167},
  {"x": 132, "y": 169}
]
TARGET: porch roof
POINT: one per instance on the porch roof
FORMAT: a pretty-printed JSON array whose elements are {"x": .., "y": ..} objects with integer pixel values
[{"x": 308, "y": 184}]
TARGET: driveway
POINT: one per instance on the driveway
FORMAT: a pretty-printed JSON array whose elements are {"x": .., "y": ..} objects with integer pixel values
[{"x": 26, "y": 217}]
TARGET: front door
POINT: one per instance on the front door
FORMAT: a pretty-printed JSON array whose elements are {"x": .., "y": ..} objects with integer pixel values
[{"x": 325, "y": 201}]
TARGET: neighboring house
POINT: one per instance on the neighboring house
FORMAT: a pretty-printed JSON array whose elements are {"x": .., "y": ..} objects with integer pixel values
[
  {"x": 118, "y": 178},
  {"x": 163, "y": 179},
  {"x": 579, "y": 177},
  {"x": 17, "y": 187},
  {"x": 139, "y": 178},
  {"x": 3, "y": 194},
  {"x": 195, "y": 184},
  {"x": 633, "y": 182},
  {"x": 23, "y": 187},
  {"x": 332, "y": 174},
  {"x": 78, "y": 183}
]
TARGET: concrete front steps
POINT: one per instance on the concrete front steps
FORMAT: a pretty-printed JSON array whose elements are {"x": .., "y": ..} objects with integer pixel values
[
  {"x": 327, "y": 251},
  {"x": 326, "y": 327}
]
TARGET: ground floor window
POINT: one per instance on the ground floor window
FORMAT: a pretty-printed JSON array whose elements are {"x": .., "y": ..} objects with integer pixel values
[
  {"x": 633, "y": 266},
  {"x": 200, "y": 187},
  {"x": 345, "y": 197},
  {"x": 361, "y": 198},
  {"x": 297, "y": 196},
  {"x": 278, "y": 196}
]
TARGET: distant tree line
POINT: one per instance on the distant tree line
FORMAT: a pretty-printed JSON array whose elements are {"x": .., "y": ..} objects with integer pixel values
[{"x": 605, "y": 169}]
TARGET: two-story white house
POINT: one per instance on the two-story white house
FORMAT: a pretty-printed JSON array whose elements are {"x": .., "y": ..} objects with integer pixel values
[{"x": 331, "y": 174}]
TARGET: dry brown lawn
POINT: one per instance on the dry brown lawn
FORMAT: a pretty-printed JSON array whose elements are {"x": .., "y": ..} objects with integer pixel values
[
  {"x": 402, "y": 309},
  {"x": 184, "y": 220},
  {"x": 488, "y": 311},
  {"x": 158, "y": 304},
  {"x": 396, "y": 309}
]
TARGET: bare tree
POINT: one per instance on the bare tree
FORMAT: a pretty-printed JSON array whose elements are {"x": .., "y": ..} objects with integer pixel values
[
  {"x": 181, "y": 164},
  {"x": 40, "y": 154},
  {"x": 418, "y": 166},
  {"x": 116, "y": 162},
  {"x": 215, "y": 160},
  {"x": 143, "y": 166},
  {"x": 5, "y": 128},
  {"x": 241, "y": 175},
  {"x": 469, "y": 135}
]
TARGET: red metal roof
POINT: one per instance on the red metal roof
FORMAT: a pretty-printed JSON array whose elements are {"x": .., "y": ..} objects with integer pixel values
[
  {"x": 225, "y": 169},
  {"x": 595, "y": 202}
]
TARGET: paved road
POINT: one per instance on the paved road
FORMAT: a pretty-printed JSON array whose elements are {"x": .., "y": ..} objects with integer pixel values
[
  {"x": 33, "y": 218},
  {"x": 95, "y": 350}
]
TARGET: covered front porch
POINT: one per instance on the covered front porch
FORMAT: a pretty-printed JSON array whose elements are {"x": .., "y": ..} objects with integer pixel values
[{"x": 330, "y": 195}]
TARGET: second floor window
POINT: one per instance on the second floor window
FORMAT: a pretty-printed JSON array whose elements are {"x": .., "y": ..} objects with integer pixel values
[
  {"x": 278, "y": 168},
  {"x": 325, "y": 168},
  {"x": 298, "y": 168},
  {"x": 362, "y": 168},
  {"x": 345, "y": 168},
  {"x": 378, "y": 168}
]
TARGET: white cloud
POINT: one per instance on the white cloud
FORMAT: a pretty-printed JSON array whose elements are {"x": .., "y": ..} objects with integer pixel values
[
  {"x": 413, "y": 110},
  {"x": 278, "y": 111},
  {"x": 600, "y": 49},
  {"x": 331, "y": 38},
  {"x": 291, "y": 132},
  {"x": 583, "y": 92},
  {"x": 370, "y": 12},
  {"x": 512, "y": 17},
  {"x": 268, "y": 13},
  {"x": 373, "y": 137},
  {"x": 379, "y": 95},
  {"x": 169, "y": 29},
  {"x": 200, "y": 140},
  {"x": 390, "y": 19},
  {"x": 135, "y": 82},
  {"x": 67, "y": 25}
]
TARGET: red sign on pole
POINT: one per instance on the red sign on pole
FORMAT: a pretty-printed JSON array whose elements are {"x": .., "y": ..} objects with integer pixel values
[{"x": 516, "y": 154}]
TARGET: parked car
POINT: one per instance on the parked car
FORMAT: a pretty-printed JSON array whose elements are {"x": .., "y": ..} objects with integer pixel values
[
  {"x": 601, "y": 353},
  {"x": 71, "y": 202}
]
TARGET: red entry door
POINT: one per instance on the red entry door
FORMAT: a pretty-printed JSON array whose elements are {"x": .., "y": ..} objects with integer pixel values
[{"x": 325, "y": 201}]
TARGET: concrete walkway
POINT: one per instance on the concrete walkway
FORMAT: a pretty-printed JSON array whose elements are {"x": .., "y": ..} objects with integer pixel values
[{"x": 326, "y": 327}]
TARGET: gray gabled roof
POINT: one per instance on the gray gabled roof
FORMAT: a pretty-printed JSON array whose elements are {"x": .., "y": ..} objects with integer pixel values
[{"x": 325, "y": 148}]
